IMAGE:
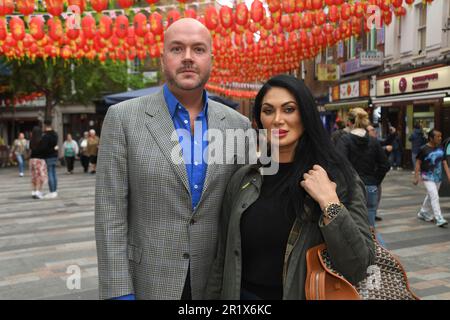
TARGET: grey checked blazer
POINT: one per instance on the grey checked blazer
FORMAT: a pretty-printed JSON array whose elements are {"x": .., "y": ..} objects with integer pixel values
[{"x": 146, "y": 231}]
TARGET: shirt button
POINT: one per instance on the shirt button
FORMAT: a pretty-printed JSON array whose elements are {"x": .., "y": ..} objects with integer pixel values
[
  {"x": 179, "y": 107},
  {"x": 195, "y": 163},
  {"x": 185, "y": 121},
  {"x": 196, "y": 187},
  {"x": 186, "y": 256}
]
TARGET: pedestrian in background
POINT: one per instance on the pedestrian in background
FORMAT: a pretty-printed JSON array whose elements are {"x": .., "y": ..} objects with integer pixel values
[
  {"x": 92, "y": 149},
  {"x": 38, "y": 166},
  {"x": 84, "y": 156},
  {"x": 50, "y": 141},
  {"x": 367, "y": 157},
  {"x": 417, "y": 139},
  {"x": 20, "y": 150},
  {"x": 429, "y": 164},
  {"x": 70, "y": 148}
]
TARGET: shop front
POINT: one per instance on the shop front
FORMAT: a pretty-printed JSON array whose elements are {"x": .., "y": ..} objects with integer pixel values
[
  {"x": 421, "y": 96},
  {"x": 346, "y": 96}
]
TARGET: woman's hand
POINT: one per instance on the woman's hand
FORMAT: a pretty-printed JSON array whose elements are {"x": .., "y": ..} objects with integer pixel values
[{"x": 319, "y": 186}]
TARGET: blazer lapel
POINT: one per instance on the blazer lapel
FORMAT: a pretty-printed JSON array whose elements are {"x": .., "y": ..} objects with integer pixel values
[
  {"x": 216, "y": 120},
  {"x": 160, "y": 125}
]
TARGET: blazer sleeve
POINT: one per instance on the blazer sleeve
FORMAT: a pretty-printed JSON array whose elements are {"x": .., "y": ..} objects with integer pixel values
[
  {"x": 111, "y": 208},
  {"x": 348, "y": 237}
]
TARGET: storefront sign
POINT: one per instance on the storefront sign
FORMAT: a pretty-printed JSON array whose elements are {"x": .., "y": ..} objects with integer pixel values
[
  {"x": 371, "y": 58},
  {"x": 437, "y": 78},
  {"x": 364, "y": 87},
  {"x": 353, "y": 66},
  {"x": 328, "y": 72},
  {"x": 349, "y": 90},
  {"x": 335, "y": 93}
]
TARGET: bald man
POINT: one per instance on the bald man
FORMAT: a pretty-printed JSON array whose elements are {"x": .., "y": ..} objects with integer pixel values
[{"x": 156, "y": 208}]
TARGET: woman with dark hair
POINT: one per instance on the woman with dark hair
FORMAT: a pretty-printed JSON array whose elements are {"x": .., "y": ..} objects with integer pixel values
[
  {"x": 38, "y": 167},
  {"x": 269, "y": 222}
]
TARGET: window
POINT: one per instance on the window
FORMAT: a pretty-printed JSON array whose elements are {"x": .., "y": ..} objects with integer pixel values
[{"x": 422, "y": 29}]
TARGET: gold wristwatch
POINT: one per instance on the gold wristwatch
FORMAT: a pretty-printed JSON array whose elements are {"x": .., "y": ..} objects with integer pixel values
[{"x": 332, "y": 209}]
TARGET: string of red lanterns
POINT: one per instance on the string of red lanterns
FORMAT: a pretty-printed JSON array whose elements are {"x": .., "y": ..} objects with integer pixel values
[{"x": 294, "y": 30}]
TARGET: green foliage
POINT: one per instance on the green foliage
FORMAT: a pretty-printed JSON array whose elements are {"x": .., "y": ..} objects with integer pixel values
[{"x": 71, "y": 81}]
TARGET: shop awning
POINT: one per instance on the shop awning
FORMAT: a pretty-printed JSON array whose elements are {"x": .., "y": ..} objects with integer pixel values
[
  {"x": 387, "y": 101},
  {"x": 347, "y": 104}
]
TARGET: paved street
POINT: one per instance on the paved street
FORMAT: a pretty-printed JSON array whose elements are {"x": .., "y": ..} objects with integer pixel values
[{"x": 41, "y": 239}]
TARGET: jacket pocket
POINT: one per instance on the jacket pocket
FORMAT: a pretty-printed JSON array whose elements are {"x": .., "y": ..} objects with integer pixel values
[{"x": 134, "y": 253}]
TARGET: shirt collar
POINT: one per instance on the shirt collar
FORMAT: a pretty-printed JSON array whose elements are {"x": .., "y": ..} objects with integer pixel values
[{"x": 172, "y": 101}]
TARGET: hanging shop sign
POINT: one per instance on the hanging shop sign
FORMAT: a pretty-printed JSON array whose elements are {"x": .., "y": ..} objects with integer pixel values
[{"x": 327, "y": 72}]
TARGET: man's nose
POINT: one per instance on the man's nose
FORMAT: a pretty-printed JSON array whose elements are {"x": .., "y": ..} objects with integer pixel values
[{"x": 188, "y": 54}]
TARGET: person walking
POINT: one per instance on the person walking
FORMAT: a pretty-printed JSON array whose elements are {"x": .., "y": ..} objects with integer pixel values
[
  {"x": 157, "y": 199},
  {"x": 20, "y": 149},
  {"x": 37, "y": 164},
  {"x": 93, "y": 142},
  {"x": 429, "y": 164},
  {"x": 367, "y": 157},
  {"x": 417, "y": 139},
  {"x": 84, "y": 155},
  {"x": 70, "y": 148},
  {"x": 50, "y": 141},
  {"x": 268, "y": 222}
]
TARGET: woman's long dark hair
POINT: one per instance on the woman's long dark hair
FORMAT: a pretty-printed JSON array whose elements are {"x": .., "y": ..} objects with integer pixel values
[
  {"x": 314, "y": 147},
  {"x": 36, "y": 136}
]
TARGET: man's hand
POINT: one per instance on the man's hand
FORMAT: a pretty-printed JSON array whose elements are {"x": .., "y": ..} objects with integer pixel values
[{"x": 319, "y": 186}]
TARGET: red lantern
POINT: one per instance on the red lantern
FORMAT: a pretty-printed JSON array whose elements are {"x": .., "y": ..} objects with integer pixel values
[
  {"x": 328, "y": 28},
  {"x": 54, "y": 7},
  {"x": 121, "y": 26},
  {"x": 190, "y": 13},
  {"x": 172, "y": 16},
  {"x": 55, "y": 29},
  {"x": 88, "y": 27},
  {"x": 66, "y": 52},
  {"x": 241, "y": 14},
  {"x": 268, "y": 23},
  {"x": 274, "y": 5},
  {"x": 99, "y": 5},
  {"x": 140, "y": 24},
  {"x": 257, "y": 11},
  {"x": 307, "y": 20},
  {"x": 152, "y": 3},
  {"x": 3, "y": 30},
  {"x": 105, "y": 27},
  {"x": 71, "y": 32},
  {"x": 6, "y": 7},
  {"x": 211, "y": 18},
  {"x": 131, "y": 38},
  {"x": 25, "y": 7},
  {"x": 359, "y": 10},
  {"x": 397, "y": 3},
  {"x": 36, "y": 26},
  {"x": 317, "y": 4},
  {"x": 345, "y": 11},
  {"x": 17, "y": 28},
  {"x": 320, "y": 18},
  {"x": 387, "y": 17},
  {"x": 333, "y": 14},
  {"x": 226, "y": 17},
  {"x": 409, "y": 2},
  {"x": 285, "y": 21},
  {"x": 289, "y": 6},
  {"x": 125, "y": 4},
  {"x": 81, "y": 4},
  {"x": 156, "y": 25}
]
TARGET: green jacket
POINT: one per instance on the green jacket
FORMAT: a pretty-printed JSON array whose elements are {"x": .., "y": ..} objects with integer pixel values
[{"x": 347, "y": 236}]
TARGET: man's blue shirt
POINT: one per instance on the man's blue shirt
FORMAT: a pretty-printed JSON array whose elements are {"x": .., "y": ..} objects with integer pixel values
[{"x": 192, "y": 146}]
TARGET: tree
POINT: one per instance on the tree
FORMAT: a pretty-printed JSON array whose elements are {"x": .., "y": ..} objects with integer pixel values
[{"x": 65, "y": 81}]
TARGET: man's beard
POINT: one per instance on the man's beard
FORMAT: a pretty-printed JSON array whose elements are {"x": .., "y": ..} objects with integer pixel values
[{"x": 174, "y": 83}]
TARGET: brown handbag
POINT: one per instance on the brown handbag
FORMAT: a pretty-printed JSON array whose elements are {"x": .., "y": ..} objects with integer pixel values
[{"x": 387, "y": 279}]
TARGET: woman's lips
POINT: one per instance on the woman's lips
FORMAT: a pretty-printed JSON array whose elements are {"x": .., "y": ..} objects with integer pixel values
[{"x": 279, "y": 133}]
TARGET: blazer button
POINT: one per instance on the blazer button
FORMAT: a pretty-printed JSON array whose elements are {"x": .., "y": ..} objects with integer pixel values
[
  {"x": 236, "y": 253},
  {"x": 192, "y": 221},
  {"x": 186, "y": 256},
  {"x": 244, "y": 205}
]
